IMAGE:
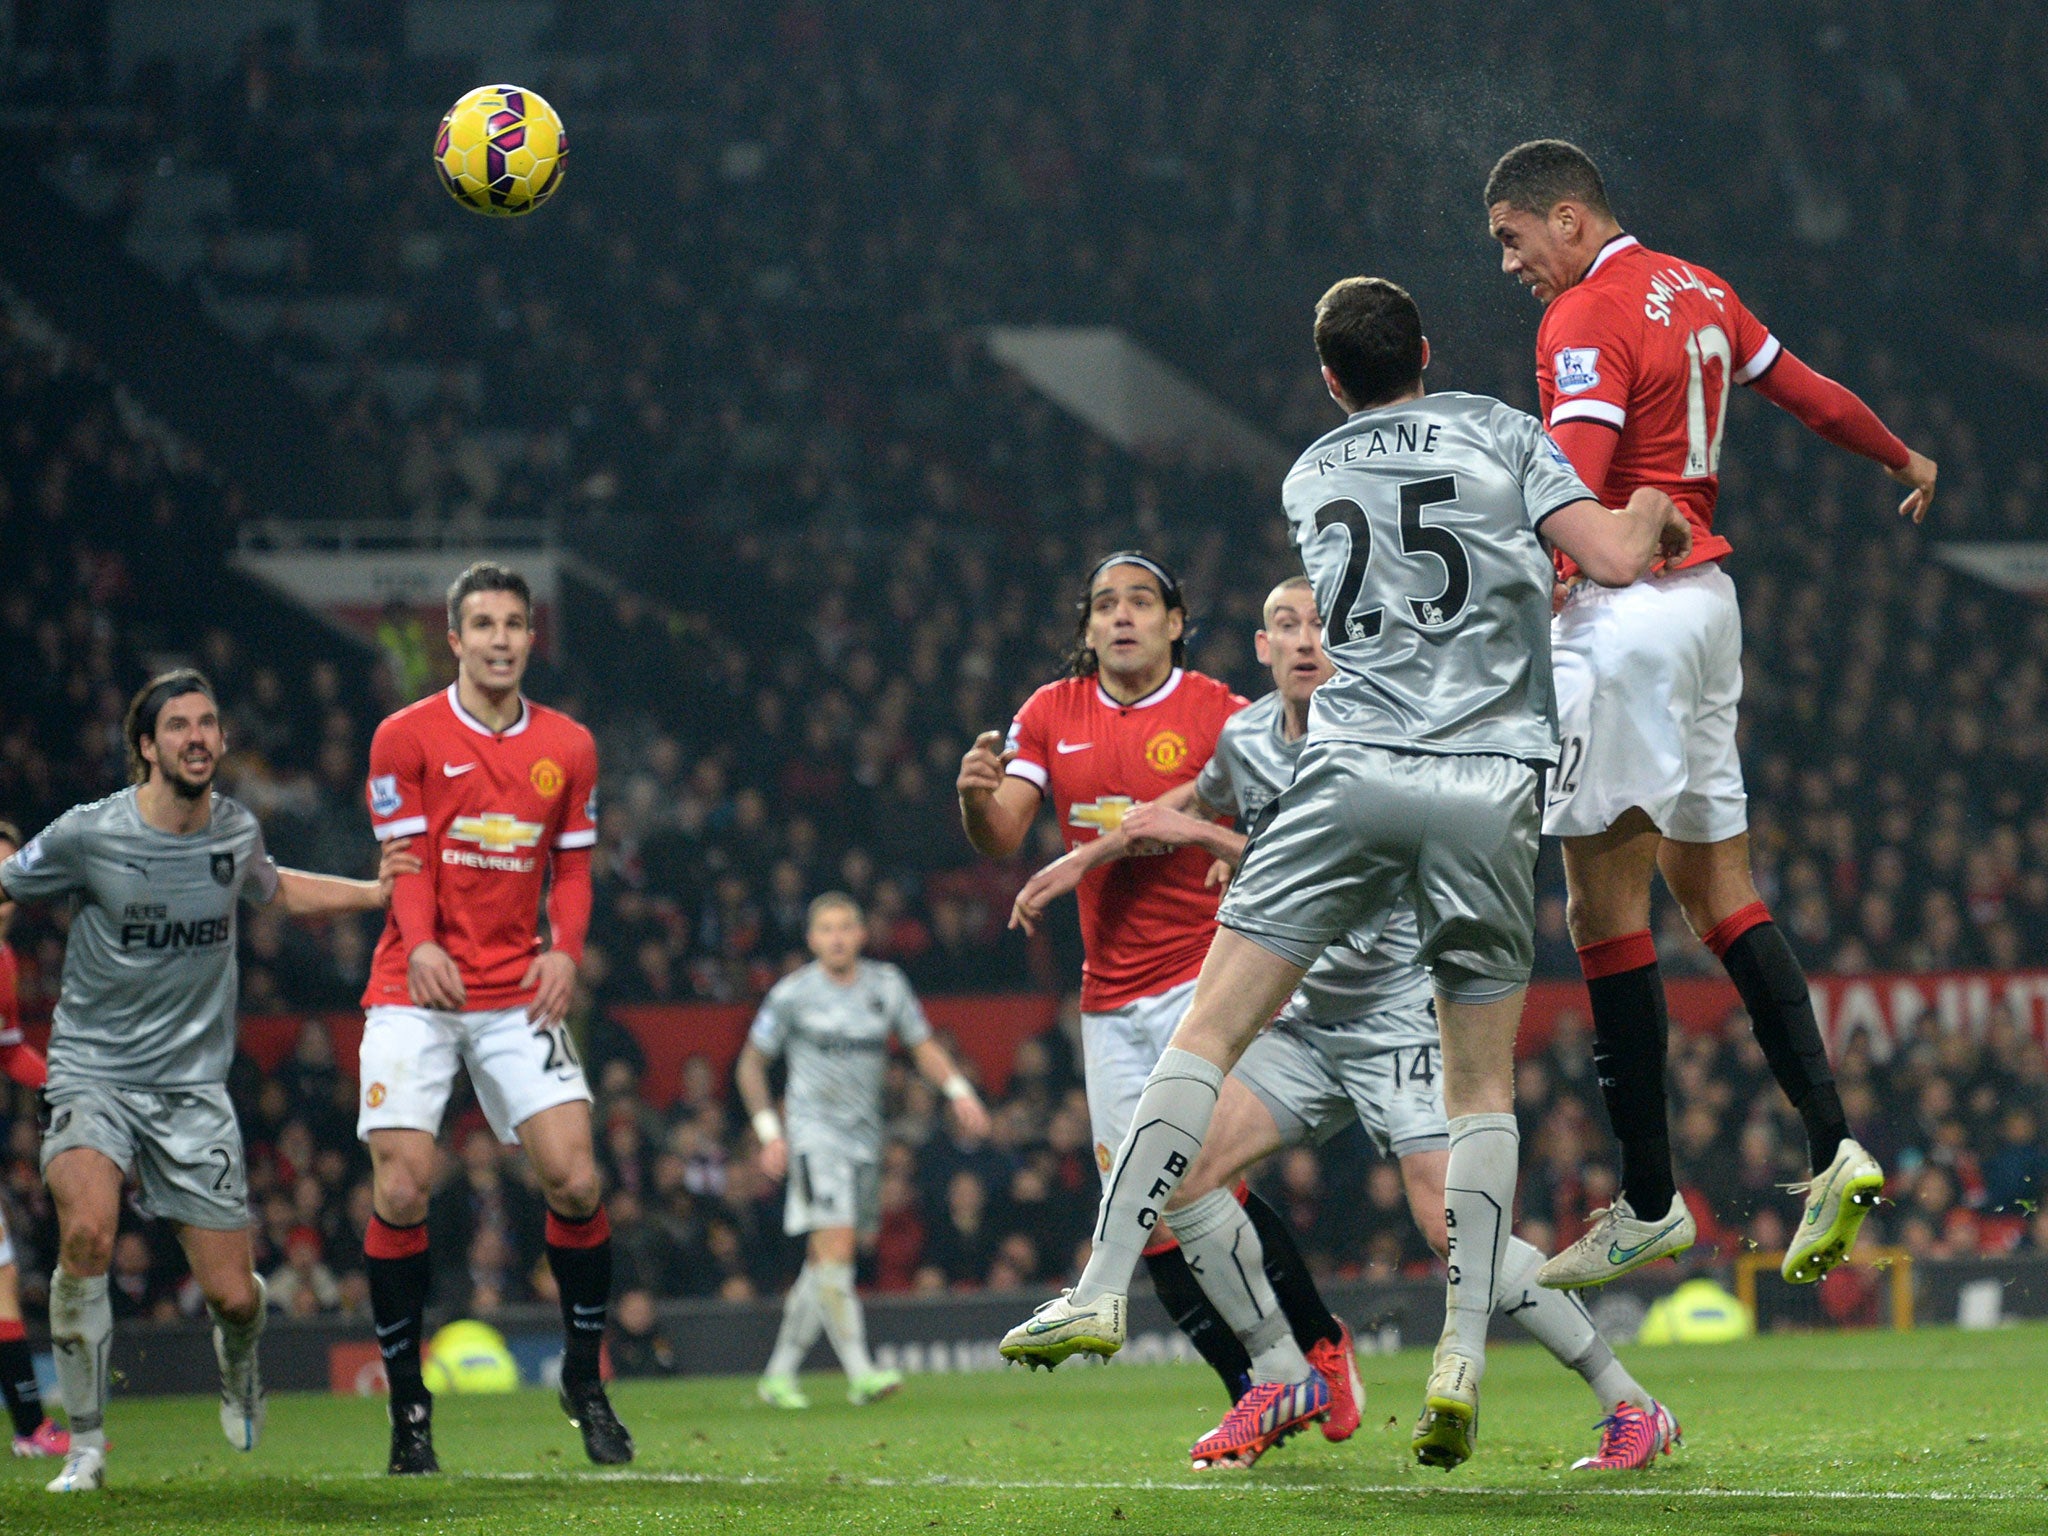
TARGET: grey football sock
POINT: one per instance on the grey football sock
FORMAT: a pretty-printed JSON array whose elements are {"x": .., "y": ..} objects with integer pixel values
[
  {"x": 1561, "y": 1324},
  {"x": 1166, "y": 1132},
  {"x": 1224, "y": 1251},
  {"x": 801, "y": 1324},
  {"x": 81, "y": 1323},
  {"x": 1479, "y": 1203},
  {"x": 845, "y": 1324}
]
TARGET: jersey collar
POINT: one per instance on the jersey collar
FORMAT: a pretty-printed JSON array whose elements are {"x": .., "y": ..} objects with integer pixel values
[
  {"x": 1158, "y": 695},
  {"x": 525, "y": 716},
  {"x": 1611, "y": 249}
]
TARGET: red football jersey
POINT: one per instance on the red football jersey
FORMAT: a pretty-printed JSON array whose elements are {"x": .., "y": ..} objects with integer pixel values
[
  {"x": 1145, "y": 922},
  {"x": 1648, "y": 345},
  {"x": 484, "y": 809}
]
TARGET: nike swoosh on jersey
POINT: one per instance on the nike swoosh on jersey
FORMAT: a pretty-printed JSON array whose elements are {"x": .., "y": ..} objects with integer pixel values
[
  {"x": 1073, "y": 746},
  {"x": 456, "y": 770}
]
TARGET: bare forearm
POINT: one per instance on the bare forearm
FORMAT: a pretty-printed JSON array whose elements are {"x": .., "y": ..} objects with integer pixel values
[
  {"x": 752, "y": 1076},
  {"x": 1221, "y": 842},
  {"x": 309, "y": 895}
]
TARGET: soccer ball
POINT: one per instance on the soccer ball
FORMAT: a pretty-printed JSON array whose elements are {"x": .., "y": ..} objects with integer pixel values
[
  {"x": 468, "y": 1356},
  {"x": 500, "y": 150}
]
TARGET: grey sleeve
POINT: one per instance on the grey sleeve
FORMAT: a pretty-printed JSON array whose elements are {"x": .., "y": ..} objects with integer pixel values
[
  {"x": 1546, "y": 476},
  {"x": 52, "y": 863},
  {"x": 1216, "y": 783},
  {"x": 906, "y": 1016},
  {"x": 771, "y": 1025},
  {"x": 261, "y": 885}
]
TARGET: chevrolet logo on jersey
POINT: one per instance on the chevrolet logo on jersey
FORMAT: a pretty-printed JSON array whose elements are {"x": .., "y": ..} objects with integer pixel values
[
  {"x": 1104, "y": 815},
  {"x": 498, "y": 837},
  {"x": 497, "y": 832}
]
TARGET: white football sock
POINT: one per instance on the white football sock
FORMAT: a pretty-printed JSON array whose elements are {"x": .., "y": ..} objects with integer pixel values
[
  {"x": 81, "y": 1323},
  {"x": 1479, "y": 1203},
  {"x": 801, "y": 1324},
  {"x": 1167, "y": 1128},
  {"x": 1561, "y": 1324},
  {"x": 845, "y": 1324},
  {"x": 1223, "y": 1249}
]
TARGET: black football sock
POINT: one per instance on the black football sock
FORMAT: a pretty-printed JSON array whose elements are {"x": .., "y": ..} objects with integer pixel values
[
  {"x": 18, "y": 1380},
  {"x": 580, "y": 1254},
  {"x": 1196, "y": 1316},
  {"x": 1774, "y": 990},
  {"x": 400, "y": 1272},
  {"x": 1311, "y": 1321},
  {"x": 1631, "y": 1033}
]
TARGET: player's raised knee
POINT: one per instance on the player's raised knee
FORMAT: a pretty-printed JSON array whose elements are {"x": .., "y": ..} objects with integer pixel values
[
  {"x": 574, "y": 1193},
  {"x": 88, "y": 1245}
]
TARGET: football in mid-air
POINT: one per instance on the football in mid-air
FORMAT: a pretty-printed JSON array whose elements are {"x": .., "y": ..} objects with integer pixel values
[{"x": 500, "y": 150}]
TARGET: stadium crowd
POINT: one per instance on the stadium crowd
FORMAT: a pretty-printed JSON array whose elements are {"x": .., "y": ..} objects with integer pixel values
[{"x": 891, "y": 528}]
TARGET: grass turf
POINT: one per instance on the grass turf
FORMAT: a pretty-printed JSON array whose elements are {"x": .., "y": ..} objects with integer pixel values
[{"x": 1916, "y": 1432}]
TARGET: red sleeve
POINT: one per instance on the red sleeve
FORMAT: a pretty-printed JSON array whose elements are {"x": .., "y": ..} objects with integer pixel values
[
  {"x": 398, "y": 809},
  {"x": 569, "y": 899},
  {"x": 1028, "y": 739},
  {"x": 1829, "y": 409},
  {"x": 396, "y": 790},
  {"x": 24, "y": 1064},
  {"x": 1585, "y": 363},
  {"x": 1590, "y": 447},
  {"x": 579, "y": 797}
]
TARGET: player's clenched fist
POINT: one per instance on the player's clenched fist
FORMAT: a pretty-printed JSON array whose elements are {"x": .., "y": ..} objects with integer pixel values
[
  {"x": 982, "y": 769},
  {"x": 1674, "y": 533}
]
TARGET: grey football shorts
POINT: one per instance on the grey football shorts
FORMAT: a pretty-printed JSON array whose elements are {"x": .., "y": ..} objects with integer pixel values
[
  {"x": 1314, "y": 1083},
  {"x": 830, "y": 1190},
  {"x": 1362, "y": 827},
  {"x": 183, "y": 1144}
]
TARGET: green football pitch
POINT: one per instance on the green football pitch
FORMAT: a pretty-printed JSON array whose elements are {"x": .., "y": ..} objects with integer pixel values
[{"x": 1920, "y": 1432}]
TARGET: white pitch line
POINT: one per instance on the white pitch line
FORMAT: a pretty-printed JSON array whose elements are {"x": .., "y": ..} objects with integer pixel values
[{"x": 938, "y": 1483}]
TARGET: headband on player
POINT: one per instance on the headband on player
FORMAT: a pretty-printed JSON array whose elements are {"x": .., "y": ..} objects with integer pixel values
[{"x": 1168, "y": 586}]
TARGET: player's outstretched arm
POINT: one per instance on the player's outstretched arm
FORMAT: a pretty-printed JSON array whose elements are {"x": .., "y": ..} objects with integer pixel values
[
  {"x": 1621, "y": 546},
  {"x": 751, "y": 1073},
  {"x": 1181, "y": 817},
  {"x": 305, "y": 894},
  {"x": 996, "y": 806},
  {"x": 1838, "y": 414},
  {"x": 938, "y": 1069}
]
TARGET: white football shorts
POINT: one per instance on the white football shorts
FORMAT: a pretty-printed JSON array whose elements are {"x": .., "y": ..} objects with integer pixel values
[
  {"x": 1119, "y": 1049},
  {"x": 410, "y": 1056},
  {"x": 1648, "y": 679}
]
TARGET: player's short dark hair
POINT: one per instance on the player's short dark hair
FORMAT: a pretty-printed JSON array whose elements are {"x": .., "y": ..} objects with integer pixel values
[
  {"x": 1082, "y": 660},
  {"x": 1369, "y": 334},
  {"x": 1535, "y": 177},
  {"x": 486, "y": 576},
  {"x": 148, "y": 703},
  {"x": 830, "y": 901}
]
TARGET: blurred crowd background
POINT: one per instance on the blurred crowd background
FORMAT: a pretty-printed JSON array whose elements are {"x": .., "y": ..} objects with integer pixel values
[{"x": 750, "y": 329}]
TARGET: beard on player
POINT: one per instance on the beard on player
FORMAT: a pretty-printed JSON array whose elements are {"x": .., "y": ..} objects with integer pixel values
[{"x": 175, "y": 717}]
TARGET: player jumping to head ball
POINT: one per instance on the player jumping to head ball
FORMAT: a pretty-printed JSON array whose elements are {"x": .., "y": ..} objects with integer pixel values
[
  {"x": 1420, "y": 785},
  {"x": 1356, "y": 1042},
  {"x": 1634, "y": 360},
  {"x": 501, "y": 796}
]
